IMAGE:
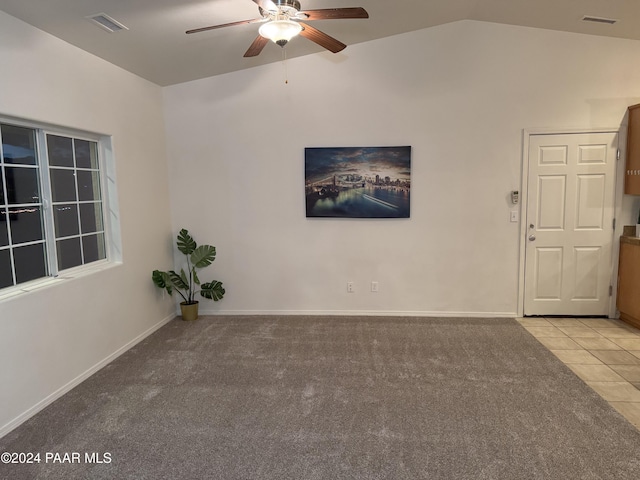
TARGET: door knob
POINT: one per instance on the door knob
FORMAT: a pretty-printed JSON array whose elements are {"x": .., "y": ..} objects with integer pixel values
[{"x": 532, "y": 238}]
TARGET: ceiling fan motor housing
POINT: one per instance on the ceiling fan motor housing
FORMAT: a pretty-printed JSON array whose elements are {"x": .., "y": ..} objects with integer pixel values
[{"x": 289, "y": 8}]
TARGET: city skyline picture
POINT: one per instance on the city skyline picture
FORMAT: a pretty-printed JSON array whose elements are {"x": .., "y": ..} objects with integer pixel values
[{"x": 358, "y": 182}]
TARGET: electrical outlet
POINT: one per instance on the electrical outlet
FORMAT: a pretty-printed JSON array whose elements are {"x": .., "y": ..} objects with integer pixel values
[
  {"x": 374, "y": 287},
  {"x": 350, "y": 287}
]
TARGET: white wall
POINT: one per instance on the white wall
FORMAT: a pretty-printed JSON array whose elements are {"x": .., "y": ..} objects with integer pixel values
[
  {"x": 459, "y": 94},
  {"x": 52, "y": 337}
]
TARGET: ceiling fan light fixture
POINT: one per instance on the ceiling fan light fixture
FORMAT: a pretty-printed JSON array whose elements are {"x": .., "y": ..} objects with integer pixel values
[{"x": 280, "y": 31}]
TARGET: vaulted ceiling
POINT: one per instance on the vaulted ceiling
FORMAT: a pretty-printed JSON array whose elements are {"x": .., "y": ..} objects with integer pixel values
[{"x": 155, "y": 46}]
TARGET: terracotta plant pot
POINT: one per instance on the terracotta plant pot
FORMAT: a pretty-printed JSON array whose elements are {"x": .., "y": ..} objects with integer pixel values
[{"x": 189, "y": 311}]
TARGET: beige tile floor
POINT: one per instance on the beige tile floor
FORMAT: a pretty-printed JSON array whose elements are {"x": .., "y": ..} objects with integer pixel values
[{"x": 604, "y": 353}]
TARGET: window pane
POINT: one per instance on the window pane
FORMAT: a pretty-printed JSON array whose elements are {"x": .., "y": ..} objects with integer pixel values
[
  {"x": 29, "y": 262},
  {"x": 26, "y": 224},
  {"x": 65, "y": 218},
  {"x": 60, "y": 151},
  {"x": 75, "y": 217},
  {"x": 4, "y": 233},
  {"x": 68, "y": 253},
  {"x": 93, "y": 246},
  {"x": 86, "y": 154},
  {"x": 63, "y": 185},
  {"x": 91, "y": 217},
  {"x": 18, "y": 145},
  {"x": 6, "y": 278},
  {"x": 88, "y": 185},
  {"x": 22, "y": 185}
]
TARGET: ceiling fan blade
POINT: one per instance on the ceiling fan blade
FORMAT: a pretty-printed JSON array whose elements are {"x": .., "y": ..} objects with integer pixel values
[
  {"x": 267, "y": 5},
  {"x": 335, "y": 13},
  {"x": 321, "y": 38},
  {"x": 257, "y": 46},
  {"x": 213, "y": 27}
]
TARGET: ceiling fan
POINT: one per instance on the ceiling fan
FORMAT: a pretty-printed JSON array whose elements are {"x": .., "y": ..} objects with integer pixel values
[{"x": 281, "y": 21}]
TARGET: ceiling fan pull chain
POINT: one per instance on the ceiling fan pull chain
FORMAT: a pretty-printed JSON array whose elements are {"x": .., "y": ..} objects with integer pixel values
[{"x": 284, "y": 65}]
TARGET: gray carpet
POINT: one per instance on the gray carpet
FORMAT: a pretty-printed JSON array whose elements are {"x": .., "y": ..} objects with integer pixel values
[{"x": 333, "y": 398}]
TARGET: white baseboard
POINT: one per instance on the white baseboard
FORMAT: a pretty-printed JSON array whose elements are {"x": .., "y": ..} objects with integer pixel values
[
  {"x": 23, "y": 417},
  {"x": 368, "y": 313}
]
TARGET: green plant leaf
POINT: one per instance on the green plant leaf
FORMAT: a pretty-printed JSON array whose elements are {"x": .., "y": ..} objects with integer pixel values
[
  {"x": 212, "y": 290},
  {"x": 162, "y": 280},
  {"x": 196, "y": 280},
  {"x": 186, "y": 243},
  {"x": 203, "y": 256},
  {"x": 178, "y": 281},
  {"x": 185, "y": 280}
]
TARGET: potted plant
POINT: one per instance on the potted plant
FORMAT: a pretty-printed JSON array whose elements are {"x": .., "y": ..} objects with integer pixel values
[{"x": 187, "y": 284}]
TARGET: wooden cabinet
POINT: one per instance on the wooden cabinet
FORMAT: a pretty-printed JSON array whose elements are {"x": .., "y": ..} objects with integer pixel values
[
  {"x": 629, "y": 280},
  {"x": 632, "y": 170}
]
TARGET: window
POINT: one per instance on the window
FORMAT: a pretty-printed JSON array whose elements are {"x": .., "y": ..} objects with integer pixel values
[{"x": 51, "y": 203}]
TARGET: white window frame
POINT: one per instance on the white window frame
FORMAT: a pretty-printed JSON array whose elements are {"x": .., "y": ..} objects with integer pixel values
[{"x": 110, "y": 210}]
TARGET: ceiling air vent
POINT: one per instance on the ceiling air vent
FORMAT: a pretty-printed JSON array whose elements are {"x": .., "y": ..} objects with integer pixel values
[
  {"x": 608, "y": 21},
  {"x": 107, "y": 23}
]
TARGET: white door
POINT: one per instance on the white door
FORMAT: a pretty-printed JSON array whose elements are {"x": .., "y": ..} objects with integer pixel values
[{"x": 569, "y": 215}]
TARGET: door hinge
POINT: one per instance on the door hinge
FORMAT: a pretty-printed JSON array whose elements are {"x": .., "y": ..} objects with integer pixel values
[
  {"x": 614, "y": 223},
  {"x": 610, "y": 290},
  {"x": 618, "y": 154}
]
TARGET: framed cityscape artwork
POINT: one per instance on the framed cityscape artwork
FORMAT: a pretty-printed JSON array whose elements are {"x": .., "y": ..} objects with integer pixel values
[{"x": 358, "y": 182}]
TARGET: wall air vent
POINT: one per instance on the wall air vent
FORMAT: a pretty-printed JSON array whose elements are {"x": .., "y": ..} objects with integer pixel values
[
  {"x": 609, "y": 21},
  {"x": 107, "y": 23}
]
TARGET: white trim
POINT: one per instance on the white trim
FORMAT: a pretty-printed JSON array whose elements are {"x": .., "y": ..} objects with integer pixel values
[
  {"x": 44, "y": 282},
  {"x": 569, "y": 130},
  {"x": 110, "y": 205},
  {"x": 47, "y": 207},
  {"x": 37, "y": 124},
  {"x": 26, "y": 415},
  {"x": 527, "y": 134},
  {"x": 619, "y": 196},
  {"x": 367, "y": 313}
]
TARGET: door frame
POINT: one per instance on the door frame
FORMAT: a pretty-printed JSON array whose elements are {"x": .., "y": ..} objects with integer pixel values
[{"x": 527, "y": 133}]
